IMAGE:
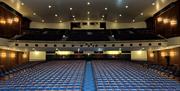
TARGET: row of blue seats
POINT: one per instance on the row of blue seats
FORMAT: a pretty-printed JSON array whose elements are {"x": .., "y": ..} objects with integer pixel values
[
  {"x": 55, "y": 75},
  {"x": 10, "y": 71},
  {"x": 169, "y": 70},
  {"x": 116, "y": 75}
]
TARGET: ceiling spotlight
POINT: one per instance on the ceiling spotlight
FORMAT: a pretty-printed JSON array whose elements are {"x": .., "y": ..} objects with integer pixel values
[
  {"x": 88, "y": 3},
  {"x": 88, "y": 12},
  {"x": 105, "y": 8},
  {"x": 142, "y": 13},
  {"x": 49, "y": 6},
  {"x": 127, "y": 6},
  {"x": 22, "y": 4},
  {"x": 73, "y": 16},
  {"x": 153, "y": 4},
  {"x": 103, "y": 16},
  {"x": 133, "y": 20},
  {"x": 56, "y": 15},
  {"x": 42, "y": 21},
  {"x": 120, "y": 14},
  {"x": 34, "y": 13},
  {"x": 70, "y": 9},
  {"x": 60, "y": 21}
]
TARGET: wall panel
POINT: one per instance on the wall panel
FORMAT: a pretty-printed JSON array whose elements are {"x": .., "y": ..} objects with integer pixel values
[
  {"x": 159, "y": 56},
  {"x": 10, "y": 58},
  {"x": 172, "y": 13},
  {"x": 11, "y": 22}
]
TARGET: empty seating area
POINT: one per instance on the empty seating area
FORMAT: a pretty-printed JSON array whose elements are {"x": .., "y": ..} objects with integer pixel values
[
  {"x": 55, "y": 75},
  {"x": 169, "y": 71},
  {"x": 7, "y": 72},
  {"x": 43, "y": 35},
  {"x": 88, "y": 35},
  {"x": 127, "y": 76},
  {"x": 89, "y": 45},
  {"x": 97, "y": 75},
  {"x": 134, "y": 34}
]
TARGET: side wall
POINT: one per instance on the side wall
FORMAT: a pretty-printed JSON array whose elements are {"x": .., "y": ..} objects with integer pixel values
[
  {"x": 167, "y": 21},
  {"x": 37, "y": 56},
  {"x": 158, "y": 57},
  {"x": 10, "y": 58},
  {"x": 139, "y": 55},
  {"x": 11, "y": 22}
]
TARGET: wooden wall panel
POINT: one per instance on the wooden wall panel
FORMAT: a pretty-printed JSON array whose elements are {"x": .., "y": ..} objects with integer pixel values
[
  {"x": 171, "y": 12},
  {"x": 12, "y": 58},
  {"x": 159, "y": 56},
  {"x": 9, "y": 30},
  {"x": 3, "y": 58}
]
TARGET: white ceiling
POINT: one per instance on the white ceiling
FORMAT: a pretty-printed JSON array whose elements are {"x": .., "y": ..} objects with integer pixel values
[{"x": 80, "y": 9}]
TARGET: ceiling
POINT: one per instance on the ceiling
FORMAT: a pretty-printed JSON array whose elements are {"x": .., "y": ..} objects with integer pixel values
[{"x": 55, "y": 11}]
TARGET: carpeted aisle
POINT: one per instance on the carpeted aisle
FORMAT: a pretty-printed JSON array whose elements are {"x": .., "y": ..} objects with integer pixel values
[{"x": 89, "y": 83}]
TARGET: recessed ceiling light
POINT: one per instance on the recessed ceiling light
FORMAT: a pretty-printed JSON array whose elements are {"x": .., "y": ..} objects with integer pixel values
[
  {"x": 142, "y": 13},
  {"x": 120, "y": 14},
  {"x": 88, "y": 3},
  {"x": 34, "y": 13},
  {"x": 56, "y": 15},
  {"x": 73, "y": 16},
  {"x": 102, "y": 16},
  {"x": 133, "y": 20},
  {"x": 105, "y": 8},
  {"x": 60, "y": 21},
  {"x": 127, "y": 6},
  {"x": 88, "y": 12},
  {"x": 70, "y": 8},
  {"x": 153, "y": 4},
  {"x": 22, "y": 4},
  {"x": 42, "y": 21},
  {"x": 49, "y": 6}
]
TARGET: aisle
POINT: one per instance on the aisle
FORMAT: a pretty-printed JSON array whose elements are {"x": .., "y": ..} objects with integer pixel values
[{"x": 89, "y": 84}]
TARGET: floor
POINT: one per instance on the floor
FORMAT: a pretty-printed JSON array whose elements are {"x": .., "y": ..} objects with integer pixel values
[{"x": 89, "y": 83}]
